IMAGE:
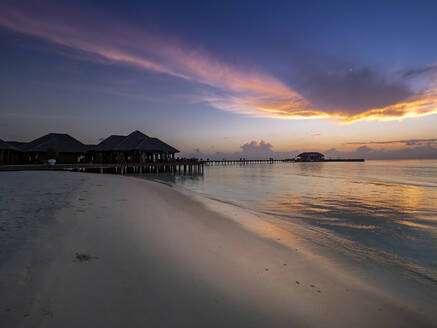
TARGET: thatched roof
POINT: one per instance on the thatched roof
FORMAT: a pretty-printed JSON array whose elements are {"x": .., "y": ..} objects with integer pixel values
[
  {"x": 134, "y": 141},
  {"x": 17, "y": 144},
  {"x": 311, "y": 154},
  {"x": 6, "y": 146},
  {"x": 164, "y": 146},
  {"x": 109, "y": 143},
  {"x": 63, "y": 143}
]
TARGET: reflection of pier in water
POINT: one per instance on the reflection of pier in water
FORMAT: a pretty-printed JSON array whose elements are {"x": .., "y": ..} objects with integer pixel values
[
  {"x": 173, "y": 178},
  {"x": 175, "y": 167}
]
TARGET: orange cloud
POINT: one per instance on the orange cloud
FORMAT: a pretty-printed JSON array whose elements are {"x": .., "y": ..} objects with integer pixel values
[
  {"x": 421, "y": 105},
  {"x": 406, "y": 142},
  {"x": 239, "y": 90}
]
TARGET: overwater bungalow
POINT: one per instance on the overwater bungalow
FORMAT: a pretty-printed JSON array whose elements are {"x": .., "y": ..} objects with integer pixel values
[
  {"x": 104, "y": 152},
  {"x": 310, "y": 157},
  {"x": 9, "y": 154},
  {"x": 134, "y": 148},
  {"x": 67, "y": 149}
]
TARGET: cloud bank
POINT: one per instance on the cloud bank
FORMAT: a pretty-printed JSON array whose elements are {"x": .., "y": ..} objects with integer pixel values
[
  {"x": 407, "y": 142},
  {"x": 419, "y": 152},
  {"x": 354, "y": 91},
  {"x": 348, "y": 96},
  {"x": 251, "y": 150}
]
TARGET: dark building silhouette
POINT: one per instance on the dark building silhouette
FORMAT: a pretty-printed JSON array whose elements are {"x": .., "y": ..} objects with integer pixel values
[
  {"x": 69, "y": 149},
  {"x": 134, "y": 148},
  {"x": 9, "y": 154},
  {"x": 310, "y": 157}
]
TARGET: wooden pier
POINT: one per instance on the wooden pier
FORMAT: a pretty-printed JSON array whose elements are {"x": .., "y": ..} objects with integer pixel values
[
  {"x": 242, "y": 161},
  {"x": 184, "y": 167},
  {"x": 271, "y": 161},
  {"x": 190, "y": 167}
]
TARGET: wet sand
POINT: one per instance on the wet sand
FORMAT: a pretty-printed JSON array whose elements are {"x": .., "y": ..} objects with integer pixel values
[{"x": 150, "y": 255}]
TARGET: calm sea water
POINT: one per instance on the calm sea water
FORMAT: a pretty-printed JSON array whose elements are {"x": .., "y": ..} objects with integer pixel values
[{"x": 382, "y": 214}]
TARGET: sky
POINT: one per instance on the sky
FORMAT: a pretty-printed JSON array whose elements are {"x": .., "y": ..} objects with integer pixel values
[{"x": 226, "y": 78}]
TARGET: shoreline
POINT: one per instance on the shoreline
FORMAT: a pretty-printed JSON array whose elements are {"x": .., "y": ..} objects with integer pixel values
[
  {"x": 162, "y": 257},
  {"x": 294, "y": 234}
]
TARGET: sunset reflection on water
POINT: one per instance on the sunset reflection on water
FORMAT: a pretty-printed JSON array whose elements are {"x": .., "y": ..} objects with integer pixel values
[{"x": 384, "y": 211}]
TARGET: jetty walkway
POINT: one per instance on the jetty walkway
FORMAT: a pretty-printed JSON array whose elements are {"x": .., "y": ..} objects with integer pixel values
[{"x": 177, "y": 167}]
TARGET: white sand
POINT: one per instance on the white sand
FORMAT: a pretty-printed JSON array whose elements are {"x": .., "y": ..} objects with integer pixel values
[{"x": 164, "y": 259}]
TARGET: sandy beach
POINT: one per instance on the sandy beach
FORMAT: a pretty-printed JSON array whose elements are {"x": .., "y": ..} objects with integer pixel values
[{"x": 111, "y": 251}]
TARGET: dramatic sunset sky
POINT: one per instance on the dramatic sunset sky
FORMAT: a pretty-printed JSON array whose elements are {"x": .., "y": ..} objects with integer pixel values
[{"x": 230, "y": 78}]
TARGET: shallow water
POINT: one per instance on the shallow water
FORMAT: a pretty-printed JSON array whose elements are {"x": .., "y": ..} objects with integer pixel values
[{"x": 382, "y": 214}]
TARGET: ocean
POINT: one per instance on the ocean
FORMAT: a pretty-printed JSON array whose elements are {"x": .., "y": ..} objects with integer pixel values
[{"x": 378, "y": 218}]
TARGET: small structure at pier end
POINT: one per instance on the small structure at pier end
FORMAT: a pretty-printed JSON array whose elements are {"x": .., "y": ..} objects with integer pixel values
[
  {"x": 310, "y": 157},
  {"x": 319, "y": 157}
]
